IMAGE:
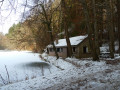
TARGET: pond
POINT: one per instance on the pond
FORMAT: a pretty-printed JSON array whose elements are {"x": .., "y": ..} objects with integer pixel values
[{"x": 17, "y": 66}]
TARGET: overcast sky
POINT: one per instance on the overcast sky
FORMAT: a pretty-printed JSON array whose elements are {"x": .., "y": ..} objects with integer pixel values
[{"x": 10, "y": 13}]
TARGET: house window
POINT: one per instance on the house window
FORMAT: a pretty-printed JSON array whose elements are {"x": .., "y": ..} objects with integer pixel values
[
  {"x": 85, "y": 49},
  {"x": 51, "y": 49},
  {"x": 59, "y": 49},
  {"x": 74, "y": 49}
]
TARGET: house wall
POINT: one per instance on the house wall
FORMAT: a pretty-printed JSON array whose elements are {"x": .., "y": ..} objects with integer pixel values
[
  {"x": 76, "y": 54},
  {"x": 80, "y": 53},
  {"x": 51, "y": 53},
  {"x": 61, "y": 54}
]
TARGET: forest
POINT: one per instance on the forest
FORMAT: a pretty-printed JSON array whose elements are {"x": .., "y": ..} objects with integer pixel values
[
  {"x": 48, "y": 20},
  {"x": 60, "y": 45}
]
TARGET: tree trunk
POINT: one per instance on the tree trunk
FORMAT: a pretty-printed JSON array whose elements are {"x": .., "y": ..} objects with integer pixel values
[
  {"x": 68, "y": 41},
  {"x": 110, "y": 28},
  {"x": 89, "y": 30},
  {"x": 66, "y": 25},
  {"x": 100, "y": 21},
  {"x": 118, "y": 12},
  {"x": 48, "y": 23},
  {"x": 54, "y": 48},
  {"x": 96, "y": 29}
]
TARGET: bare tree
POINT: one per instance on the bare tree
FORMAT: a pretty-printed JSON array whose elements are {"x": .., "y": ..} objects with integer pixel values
[{"x": 46, "y": 11}]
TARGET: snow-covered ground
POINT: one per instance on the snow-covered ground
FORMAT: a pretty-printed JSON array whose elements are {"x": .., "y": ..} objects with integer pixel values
[{"x": 73, "y": 74}]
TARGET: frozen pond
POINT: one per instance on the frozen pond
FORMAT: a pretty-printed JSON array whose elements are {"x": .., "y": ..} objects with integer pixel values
[{"x": 22, "y": 65}]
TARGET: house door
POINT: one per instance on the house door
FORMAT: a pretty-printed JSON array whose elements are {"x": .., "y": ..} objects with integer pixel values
[{"x": 85, "y": 49}]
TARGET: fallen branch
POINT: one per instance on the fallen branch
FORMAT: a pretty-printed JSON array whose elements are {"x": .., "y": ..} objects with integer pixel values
[
  {"x": 2, "y": 79},
  {"x": 7, "y": 74}
]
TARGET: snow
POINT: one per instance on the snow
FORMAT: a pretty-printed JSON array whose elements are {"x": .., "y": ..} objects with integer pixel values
[
  {"x": 74, "y": 74},
  {"x": 73, "y": 40},
  {"x": 22, "y": 65},
  {"x": 104, "y": 49},
  {"x": 58, "y": 63}
]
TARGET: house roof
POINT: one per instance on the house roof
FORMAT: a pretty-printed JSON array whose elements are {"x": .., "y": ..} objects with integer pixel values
[{"x": 73, "y": 40}]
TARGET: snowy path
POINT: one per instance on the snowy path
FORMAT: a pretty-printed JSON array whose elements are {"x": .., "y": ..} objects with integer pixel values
[{"x": 94, "y": 81}]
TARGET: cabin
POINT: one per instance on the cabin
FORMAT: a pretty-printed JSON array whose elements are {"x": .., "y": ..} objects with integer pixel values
[{"x": 80, "y": 47}]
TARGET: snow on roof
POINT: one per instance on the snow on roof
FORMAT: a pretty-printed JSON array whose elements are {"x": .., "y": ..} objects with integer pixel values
[{"x": 73, "y": 40}]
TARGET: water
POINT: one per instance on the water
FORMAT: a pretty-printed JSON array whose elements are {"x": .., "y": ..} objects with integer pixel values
[{"x": 22, "y": 65}]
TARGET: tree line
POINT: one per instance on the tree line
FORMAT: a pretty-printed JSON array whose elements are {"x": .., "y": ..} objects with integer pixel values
[{"x": 53, "y": 19}]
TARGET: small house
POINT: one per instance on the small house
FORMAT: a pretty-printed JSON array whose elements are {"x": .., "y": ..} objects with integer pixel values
[{"x": 80, "y": 47}]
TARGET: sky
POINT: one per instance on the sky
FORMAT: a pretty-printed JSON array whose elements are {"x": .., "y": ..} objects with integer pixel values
[{"x": 11, "y": 12}]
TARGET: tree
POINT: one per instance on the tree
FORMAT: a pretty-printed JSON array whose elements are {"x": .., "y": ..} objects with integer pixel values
[
  {"x": 89, "y": 30},
  {"x": 38, "y": 33},
  {"x": 110, "y": 27},
  {"x": 66, "y": 24},
  {"x": 18, "y": 37},
  {"x": 46, "y": 13},
  {"x": 96, "y": 28},
  {"x": 2, "y": 41},
  {"x": 118, "y": 13}
]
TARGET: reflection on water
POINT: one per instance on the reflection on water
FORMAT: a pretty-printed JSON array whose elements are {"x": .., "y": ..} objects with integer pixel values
[
  {"x": 37, "y": 64},
  {"x": 33, "y": 65}
]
